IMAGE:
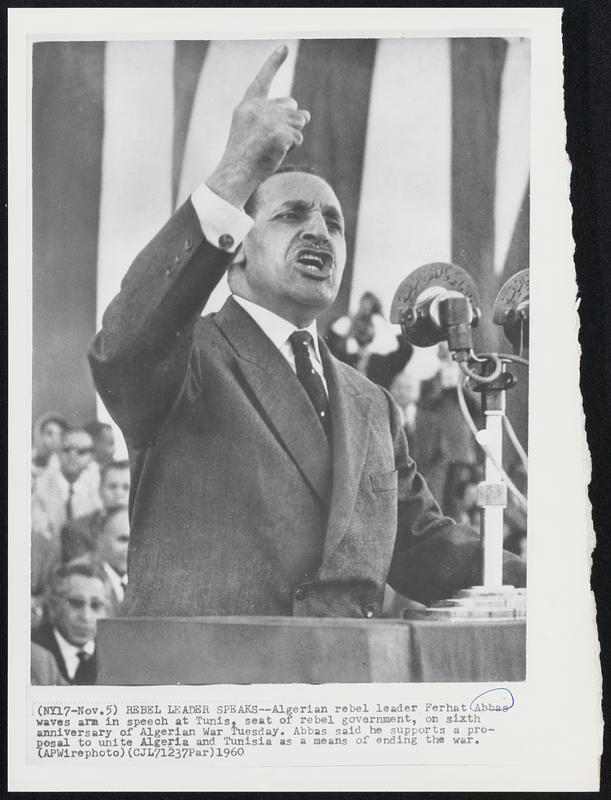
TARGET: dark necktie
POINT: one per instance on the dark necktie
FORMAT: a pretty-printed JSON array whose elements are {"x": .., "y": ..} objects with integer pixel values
[
  {"x": 310, "y": 379},
  {"x": 69, "y": 512},
  {"x": 85, "y": 672}
]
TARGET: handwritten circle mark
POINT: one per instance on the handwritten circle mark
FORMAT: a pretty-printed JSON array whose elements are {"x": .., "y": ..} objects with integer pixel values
[{"x": 500, "y": 701}]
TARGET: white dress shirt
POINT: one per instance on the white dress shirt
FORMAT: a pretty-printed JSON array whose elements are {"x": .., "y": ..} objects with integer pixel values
[
  {"x": 50, "y": 496},
  {"x": 219, "y": 218},
  {"x": 279, "y": 329},
  {"x": 70, "y": 652}
]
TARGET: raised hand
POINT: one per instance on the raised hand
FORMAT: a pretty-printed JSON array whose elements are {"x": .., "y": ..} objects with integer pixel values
[{"x": 262, "y": 132}]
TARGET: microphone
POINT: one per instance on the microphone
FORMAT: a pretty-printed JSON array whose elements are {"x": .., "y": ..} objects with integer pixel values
[
  {"x": 512, "y": 309},
  {"x": 438, "y": 302}
]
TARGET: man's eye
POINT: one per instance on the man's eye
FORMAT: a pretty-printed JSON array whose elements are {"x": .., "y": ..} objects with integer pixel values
[
  {"x": 334, "y": 225},
  {"x": 291, "y": 216}
]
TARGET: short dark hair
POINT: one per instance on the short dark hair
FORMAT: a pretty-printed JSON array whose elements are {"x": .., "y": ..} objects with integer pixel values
[
  {"x": 250, "y": 206},
  {"x": 376, "y": 305},
  {"x": 122, "y": 464},
  {"x": 86, "y": 566}
]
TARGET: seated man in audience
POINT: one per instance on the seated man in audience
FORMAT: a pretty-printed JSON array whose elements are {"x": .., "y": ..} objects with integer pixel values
[
  {"x": 103, "y": 441},
  {"x": 60, "y": 496},
  {"x": 80, "y": 536},
  {"x": 112, "y": 552},
  {"x": 78, "y": 598}
]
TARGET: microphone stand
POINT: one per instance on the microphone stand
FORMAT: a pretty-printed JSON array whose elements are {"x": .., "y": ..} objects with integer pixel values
[
  {"x": 492, "y": 599},
  {"x": 440, "y": 301},
  {"x": 492, "y": 493}
]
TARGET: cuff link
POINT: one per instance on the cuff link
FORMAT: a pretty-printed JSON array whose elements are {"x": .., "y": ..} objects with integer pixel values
[
  {"x": 369, "y": 611},
  {"x": 226, "y": 241}
]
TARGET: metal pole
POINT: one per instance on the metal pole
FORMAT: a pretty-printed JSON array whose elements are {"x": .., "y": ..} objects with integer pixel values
[{"x": 493, "y": 492}]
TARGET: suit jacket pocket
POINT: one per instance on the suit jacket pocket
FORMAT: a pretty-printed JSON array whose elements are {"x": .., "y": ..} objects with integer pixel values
[{"x": 384, "y": 481}]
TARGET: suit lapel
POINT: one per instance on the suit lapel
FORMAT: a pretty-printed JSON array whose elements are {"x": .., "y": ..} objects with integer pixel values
[
  {"x": 351, "y": 418},
  {"x": 279, "y": 396}
]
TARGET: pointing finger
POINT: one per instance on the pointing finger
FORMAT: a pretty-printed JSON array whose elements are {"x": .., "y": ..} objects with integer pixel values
[{"x": 263, "y": 79}]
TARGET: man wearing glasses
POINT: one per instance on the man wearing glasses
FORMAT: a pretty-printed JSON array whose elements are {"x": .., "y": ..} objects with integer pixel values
[{"x": 78, "y": 598}]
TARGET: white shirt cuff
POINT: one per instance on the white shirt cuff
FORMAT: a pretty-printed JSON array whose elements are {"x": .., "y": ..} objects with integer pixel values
[{"x": 223, "y": 225}]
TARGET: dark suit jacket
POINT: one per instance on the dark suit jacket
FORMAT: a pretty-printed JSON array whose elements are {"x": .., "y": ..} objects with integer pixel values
[
  {"x": 239, "y": 505},
  {"x": 44, "y": 637}
]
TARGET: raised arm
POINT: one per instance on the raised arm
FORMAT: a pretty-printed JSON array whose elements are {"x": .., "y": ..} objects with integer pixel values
[{"x": 140, "y": 357}]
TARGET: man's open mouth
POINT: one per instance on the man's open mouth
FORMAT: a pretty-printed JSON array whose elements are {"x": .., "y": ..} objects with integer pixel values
[{"x": 315, "y": 260}]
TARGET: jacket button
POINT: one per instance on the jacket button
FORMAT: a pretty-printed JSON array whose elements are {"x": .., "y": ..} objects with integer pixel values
[
  {"x": 188, "y": 244},
  {"x": 226, "y": 241},
  {"x": 300, "y": 593},
  {"x": 369, "y": 611}
]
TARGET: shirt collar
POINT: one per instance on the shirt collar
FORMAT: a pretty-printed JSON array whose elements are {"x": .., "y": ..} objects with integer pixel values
[
  {"x": 69, "y": 649},
  {"x": 274, "y": 327}
]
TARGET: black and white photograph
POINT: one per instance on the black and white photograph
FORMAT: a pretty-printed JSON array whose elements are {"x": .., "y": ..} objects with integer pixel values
[
  {"x": 311, "y": 383},
  {"x": 280, "y": 407}
]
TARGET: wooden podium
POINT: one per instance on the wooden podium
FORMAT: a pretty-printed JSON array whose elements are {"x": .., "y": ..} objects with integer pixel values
[{"x": 241, "y": 650}]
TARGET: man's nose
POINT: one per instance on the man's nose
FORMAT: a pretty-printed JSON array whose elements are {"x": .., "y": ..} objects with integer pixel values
[{"x": 315, "y": 228}]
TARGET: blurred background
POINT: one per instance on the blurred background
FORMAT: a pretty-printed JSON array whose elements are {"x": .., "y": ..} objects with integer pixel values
[{"x": 426, "y": 142}]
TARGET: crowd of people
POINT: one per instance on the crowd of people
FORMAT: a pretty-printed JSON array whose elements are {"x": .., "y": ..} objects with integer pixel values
[{"x": 79, "y": 543}]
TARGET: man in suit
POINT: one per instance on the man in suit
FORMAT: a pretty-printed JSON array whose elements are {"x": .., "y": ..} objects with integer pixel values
[
  {"x": 267, "y": 477},
  {"x": 78, "y": 598}
]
